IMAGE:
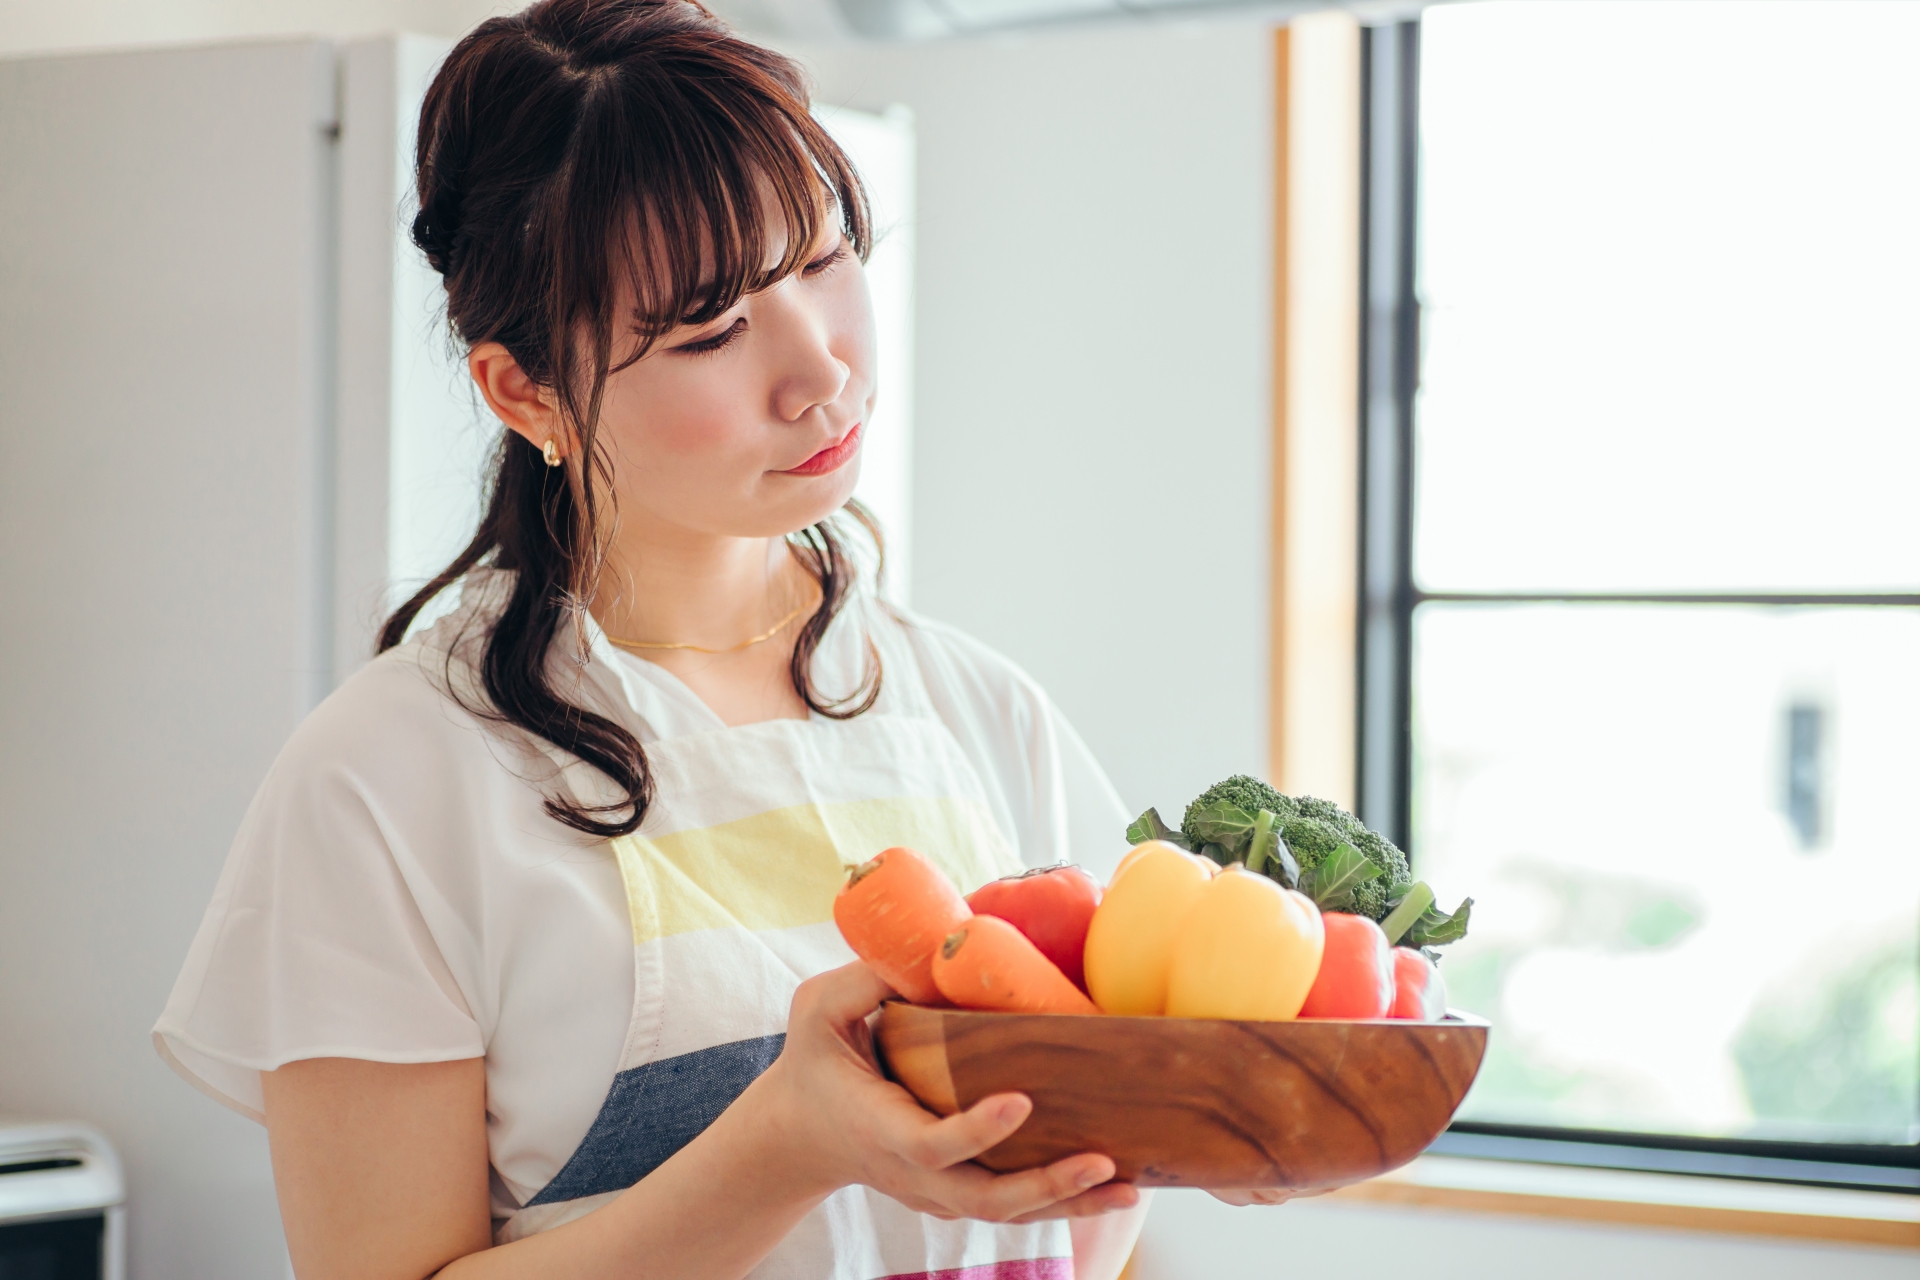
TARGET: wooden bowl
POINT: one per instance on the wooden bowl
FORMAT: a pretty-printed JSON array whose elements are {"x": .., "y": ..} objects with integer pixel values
[{"x": 1195, "y": 1102}]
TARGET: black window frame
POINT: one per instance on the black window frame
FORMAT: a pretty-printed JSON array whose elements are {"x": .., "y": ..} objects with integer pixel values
[{"x": 1388, "y": 598}]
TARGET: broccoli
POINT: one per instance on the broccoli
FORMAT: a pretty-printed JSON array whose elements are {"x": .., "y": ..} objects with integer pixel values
[
  {"x": 1249, "y": 795},
  {"x": 1313, "y": 829},
  {"x": 1369, "y": 877},
  {"x": 1328, "y": 812}
]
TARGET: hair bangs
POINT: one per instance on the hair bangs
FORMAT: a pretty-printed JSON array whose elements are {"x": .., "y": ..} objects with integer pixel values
[{"x": 731, "y": 201}]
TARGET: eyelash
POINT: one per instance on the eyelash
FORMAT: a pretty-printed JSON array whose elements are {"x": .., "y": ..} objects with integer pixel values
[
  {"x": 709, "y": 346},
  {"x": 815, "y": 267}
]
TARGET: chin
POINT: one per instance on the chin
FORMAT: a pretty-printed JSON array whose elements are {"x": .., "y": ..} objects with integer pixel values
[{"x": 825, "y": 495}]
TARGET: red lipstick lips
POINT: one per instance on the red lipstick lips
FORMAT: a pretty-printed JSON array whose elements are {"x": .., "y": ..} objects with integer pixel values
[{"x": 830, "y": 458}]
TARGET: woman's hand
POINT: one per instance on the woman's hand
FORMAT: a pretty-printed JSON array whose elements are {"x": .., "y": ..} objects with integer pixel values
[{"x": 846, "y": 1124}]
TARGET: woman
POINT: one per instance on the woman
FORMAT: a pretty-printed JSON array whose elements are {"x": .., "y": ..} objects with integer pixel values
[{"x": 523, "y": 953}]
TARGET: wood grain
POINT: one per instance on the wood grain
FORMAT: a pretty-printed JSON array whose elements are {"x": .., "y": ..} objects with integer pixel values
[
  {"x": 1196, "y": 1102},
  {"x": 915, "y": 1054}
]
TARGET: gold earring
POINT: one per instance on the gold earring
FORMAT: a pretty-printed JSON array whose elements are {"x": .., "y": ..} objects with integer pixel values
[{"x": 551, "y": 452}]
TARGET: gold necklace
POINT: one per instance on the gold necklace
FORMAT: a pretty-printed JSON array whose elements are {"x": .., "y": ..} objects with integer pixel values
[{"x": 768, "y": 634}]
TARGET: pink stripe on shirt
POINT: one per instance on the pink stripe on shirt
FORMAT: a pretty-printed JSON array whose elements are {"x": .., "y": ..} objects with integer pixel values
[{"x": 1020, "y": 1269}]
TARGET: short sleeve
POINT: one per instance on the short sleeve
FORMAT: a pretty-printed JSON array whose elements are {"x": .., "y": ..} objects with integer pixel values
[
  {"x": 1049, "y": 791},
  {"x": 315, "y": 944}
]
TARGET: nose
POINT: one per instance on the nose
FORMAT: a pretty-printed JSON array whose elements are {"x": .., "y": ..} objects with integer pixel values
[{"x": 810, "y": 375}]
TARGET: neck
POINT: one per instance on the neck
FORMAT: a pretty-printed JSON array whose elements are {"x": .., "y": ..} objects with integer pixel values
[{"x": 697, "y": 589}]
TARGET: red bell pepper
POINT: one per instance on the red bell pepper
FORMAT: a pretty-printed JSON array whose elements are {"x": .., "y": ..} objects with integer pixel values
[
  {"x": 1418, "y": 991},
  {"x": 1356, "y": 978},
  {"x": 1052, "y": 906}
]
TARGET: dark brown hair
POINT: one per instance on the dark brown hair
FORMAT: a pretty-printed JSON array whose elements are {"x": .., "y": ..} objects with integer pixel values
[{"x": 558, "y": 149}]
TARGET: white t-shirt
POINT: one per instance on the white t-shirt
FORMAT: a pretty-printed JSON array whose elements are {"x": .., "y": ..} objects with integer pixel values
[{"x": 397, "y": 893}]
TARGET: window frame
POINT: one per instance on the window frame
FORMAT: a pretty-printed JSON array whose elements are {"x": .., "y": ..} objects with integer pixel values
[{"x": 1389, "y": 597}]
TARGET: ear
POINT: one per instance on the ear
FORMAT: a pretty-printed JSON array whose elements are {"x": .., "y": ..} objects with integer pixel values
[{"x": 527, "y": 409}]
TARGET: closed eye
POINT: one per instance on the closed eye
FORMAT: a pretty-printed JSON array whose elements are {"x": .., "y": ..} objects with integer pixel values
[
  {"x": 707, "y": 346},
  {"x": 818, "y": 265}
]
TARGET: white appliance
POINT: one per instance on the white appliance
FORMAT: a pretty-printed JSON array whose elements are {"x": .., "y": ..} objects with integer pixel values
[
  {"x": 62, "y": 1214},
  {"x": 232, "y": 434}
]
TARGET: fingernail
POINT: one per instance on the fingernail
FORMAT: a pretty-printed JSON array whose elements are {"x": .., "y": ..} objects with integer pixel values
[
  {"x": 1014, "y": 1110},
  {"x": 1093, "y": 1175}
]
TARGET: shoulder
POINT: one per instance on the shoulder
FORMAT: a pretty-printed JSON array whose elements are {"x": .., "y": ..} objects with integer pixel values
[
  {"x": 422, "y": 696},
  {"x": 393, "y": 709},
  {"x": 958, "y": 665},
  {"x": 407, "y": 737}
]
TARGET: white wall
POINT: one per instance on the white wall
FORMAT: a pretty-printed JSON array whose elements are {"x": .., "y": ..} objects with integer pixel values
[
  {"x": 163, "y": 568},
  {"x": 1091, "y": 417}
]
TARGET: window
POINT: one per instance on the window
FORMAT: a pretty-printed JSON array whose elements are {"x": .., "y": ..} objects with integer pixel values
[{"x": 1640, "y": 637}]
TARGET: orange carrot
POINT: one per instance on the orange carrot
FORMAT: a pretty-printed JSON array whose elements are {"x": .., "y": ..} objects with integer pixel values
[
  {"x": 894, "y": 911},
  {"x": 989, "y": 964}
]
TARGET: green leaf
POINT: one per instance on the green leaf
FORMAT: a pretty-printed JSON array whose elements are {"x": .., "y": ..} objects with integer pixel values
[
  {"x": 1402, "y": 913},
  {"x": 1281, "y": 864},
  {"x": 1268, "y": 854},
  {"x": 1331, "y": 884},
  {"x": 1148, "y": 826},
  {"x": 1226, "y": 825},
  {"x": 1436, "y": 928}
]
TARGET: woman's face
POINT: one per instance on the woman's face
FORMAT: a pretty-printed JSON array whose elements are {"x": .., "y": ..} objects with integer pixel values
[{"x": 751, "y": 425}]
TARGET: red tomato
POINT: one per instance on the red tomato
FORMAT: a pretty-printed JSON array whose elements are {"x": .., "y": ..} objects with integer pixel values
[
  {"x": 1418, "y": 991},
  {"x": 1052, "y": 906},
  {"x": 1356, "y": 971}
]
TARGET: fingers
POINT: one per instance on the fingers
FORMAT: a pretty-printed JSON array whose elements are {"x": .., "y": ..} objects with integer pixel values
[
  {"x": 1110, "y": 1198},
  {"x": 950, "y": 1185},
  {"x": 942, "y": 1143},
  {"x": 1037, "y": 1192},
  {"x": 844, "y": 995},
  {"x": 1069, "y": 1188}
]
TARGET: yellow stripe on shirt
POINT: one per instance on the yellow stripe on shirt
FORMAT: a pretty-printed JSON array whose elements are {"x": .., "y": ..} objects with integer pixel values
[{"x": 782, "y": 868}]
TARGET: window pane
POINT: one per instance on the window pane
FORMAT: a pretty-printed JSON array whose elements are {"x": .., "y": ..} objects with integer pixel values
[
  {"x": 1693, "y": 844},
  {"x": 1668, "y": 271}
]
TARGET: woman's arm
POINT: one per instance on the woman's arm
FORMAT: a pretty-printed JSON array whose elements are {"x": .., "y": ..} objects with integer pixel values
[{"x": 382, "y": 1169}]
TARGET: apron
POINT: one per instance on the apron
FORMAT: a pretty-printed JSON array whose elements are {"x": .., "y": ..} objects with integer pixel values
[{"x": 730, "y": 884}]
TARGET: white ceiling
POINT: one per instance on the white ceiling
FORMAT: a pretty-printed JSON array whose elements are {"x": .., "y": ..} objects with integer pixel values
[{"x": 840, "y": 20}]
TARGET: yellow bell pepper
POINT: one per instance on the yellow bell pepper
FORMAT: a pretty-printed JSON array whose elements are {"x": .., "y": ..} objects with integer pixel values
[
  {"x": 1130, "y": 940},
  {"x": 1247, "y": 948}
]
